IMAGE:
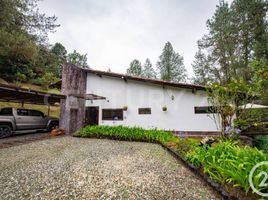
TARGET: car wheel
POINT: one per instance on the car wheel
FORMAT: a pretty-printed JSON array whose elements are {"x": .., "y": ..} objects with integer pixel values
[
  {"x": 53, "y": 126},
  {"x": 5, "y": 131}
]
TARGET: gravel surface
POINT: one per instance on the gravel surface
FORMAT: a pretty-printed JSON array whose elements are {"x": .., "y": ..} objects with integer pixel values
[
  {"x": 19, "y": 139},
  {"x": 78, "y": 168}
]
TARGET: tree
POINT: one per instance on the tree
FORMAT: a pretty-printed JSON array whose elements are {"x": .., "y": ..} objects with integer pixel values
[
  {"x": 60, "y": 54},
  {"x": 237, "y": 35},
  {"x": 260, "y": 79},
  {"x": 227, "y": 103},
  {"x": 135, "y": 68},
  {"x": 170, "y": 65},
  {"x": 202, "y": 70},
  {"x": 148, "y": 71},
  {"x": 60, "y": 51},
  {"x": 78, "y": 59},
  {"x": 22, "y": 30}
]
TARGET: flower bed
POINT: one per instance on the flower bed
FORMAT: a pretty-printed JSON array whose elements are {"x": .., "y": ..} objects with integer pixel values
[
  {"x": 127, "y": 133},
  {"x": 227, "y": 162}
]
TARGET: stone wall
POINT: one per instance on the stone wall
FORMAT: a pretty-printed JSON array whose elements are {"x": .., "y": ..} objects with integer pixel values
[{"x": 72, "y": 109}]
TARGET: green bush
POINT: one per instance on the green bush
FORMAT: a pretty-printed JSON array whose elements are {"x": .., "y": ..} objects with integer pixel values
[
  {"x": 185, "y": 145},
  {"x": 127, "y": 133},
  {"x": 229, "y": 163},
  {"x": 261, "y": 142}
]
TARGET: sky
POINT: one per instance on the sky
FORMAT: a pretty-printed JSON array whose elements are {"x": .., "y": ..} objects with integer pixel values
[{"x": 114, "y": 32}]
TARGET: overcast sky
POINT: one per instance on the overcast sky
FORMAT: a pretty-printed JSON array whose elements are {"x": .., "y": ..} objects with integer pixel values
[{"x": 114, "y": 32}]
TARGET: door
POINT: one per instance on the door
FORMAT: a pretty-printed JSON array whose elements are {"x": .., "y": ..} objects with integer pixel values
[
  {"x": 92, "y": 116},
  {"x": 39, "y": 119},
  {"x": 23, "y": 120}
]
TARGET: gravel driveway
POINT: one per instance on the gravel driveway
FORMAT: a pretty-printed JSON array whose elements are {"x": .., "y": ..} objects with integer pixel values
[{"x": 77, "y": 168}]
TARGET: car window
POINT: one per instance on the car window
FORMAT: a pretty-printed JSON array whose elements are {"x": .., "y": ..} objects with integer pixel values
[
  {"x": 23, "y": 112},
  {"x": 6, "y": 112},
  {"x": 35, "y": 113}
]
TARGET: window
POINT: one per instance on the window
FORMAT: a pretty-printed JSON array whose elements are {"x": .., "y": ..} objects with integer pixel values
[
  {"x": 23, "y": 112},
  {"x": 144, "y": 111},
  {"x": 204, "y": 109},
  {"x": 112, "y": 114},
  {"x": 36, "y": 113},
  {"x": 6, "y": 112}
]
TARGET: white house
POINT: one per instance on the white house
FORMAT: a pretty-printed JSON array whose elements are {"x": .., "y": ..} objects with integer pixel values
[{"x": 106, "y": 98}]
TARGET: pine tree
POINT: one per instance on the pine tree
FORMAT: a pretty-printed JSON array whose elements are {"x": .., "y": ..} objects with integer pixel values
[
  {"x": 135, "y": 68},
  {"x": 238, "y": 34},
  {"x": 201, "y": 67},
  {"x": 148, "y": 71},
  {"x": 170, "y": 65}
]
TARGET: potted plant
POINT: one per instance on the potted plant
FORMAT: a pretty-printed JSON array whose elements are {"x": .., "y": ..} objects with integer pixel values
[
  {"x": 125, "y": 108},
  {"x": 164, "y": 108}
]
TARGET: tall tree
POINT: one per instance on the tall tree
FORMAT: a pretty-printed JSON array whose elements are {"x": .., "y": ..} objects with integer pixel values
[
  {"x": 237, "y": 35},
  {"x": 60, "y": 54},
  {"x": 135, "y": 68},
  {"x": 22, "y": 29},
  {"x": 78, "y": 59},
  {"x": 148, "y": 70},
  {"x": 170, "y": 65},
  {"x": 60, "y": 51},
  {"x": 201, "y": 67}
]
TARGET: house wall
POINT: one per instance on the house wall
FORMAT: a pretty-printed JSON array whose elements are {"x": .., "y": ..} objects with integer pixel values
[{"x": 179, "y": 116}]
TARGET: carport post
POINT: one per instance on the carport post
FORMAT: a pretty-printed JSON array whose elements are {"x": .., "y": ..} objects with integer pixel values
[{"x": 48, "y": 110}]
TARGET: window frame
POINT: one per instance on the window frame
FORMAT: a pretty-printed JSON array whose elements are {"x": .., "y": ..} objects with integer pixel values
[
  {"x": 21, "y": 109},
  {"x": 206, "y": 110},
  {"x": 6, "y": 114},
  {"x": 145, "y": 111},
  {"x": 121, "y": 118}
]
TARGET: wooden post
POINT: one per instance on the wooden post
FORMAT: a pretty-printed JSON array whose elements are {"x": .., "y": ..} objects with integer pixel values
[{"x": 48, "y": 110}]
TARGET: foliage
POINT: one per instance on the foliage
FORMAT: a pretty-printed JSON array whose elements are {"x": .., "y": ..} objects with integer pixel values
[
  {"x": 201, "y": 68},
  {"x": 227, "y": 162},
  {"x": 44, "y": 81},
  {"x": 22, "y": 30},
  {"x": 261, "y": 142},
  {"x": 170, "y": 65},
  {"x": 60, "y": 54},
  {"x": 135, "y": 68},
  {"x": 185, "y": 145},
  {"x": 127, "y": 133},
  {"x": 227, "y": 102},
  {"x": 260, "y": 78},
  {"x": 237, "y": 35},
  {"x": 20, "y": 78},
  {"x": 77, "y": 59},
  {"x": 148, "y": 70}
]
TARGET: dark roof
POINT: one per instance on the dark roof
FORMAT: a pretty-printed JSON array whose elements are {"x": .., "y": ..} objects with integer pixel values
[
  {"x": 135, "y": 78},
  {"x": 21, "y": 95}
]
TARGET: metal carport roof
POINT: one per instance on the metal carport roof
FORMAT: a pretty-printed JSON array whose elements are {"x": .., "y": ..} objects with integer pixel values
[{"x": 21, "y": 95}]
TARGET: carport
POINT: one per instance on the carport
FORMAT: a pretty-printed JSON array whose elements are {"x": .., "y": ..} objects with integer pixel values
[{"x": 27, "y": 96}]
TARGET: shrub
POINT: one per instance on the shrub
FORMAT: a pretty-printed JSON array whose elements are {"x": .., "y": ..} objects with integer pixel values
[
  {"x": 127, "y": 133},
  {"x": 261, "y": 142},
  {"x": 229, "y": 163},
  {"x": 185, "y": 145}
]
